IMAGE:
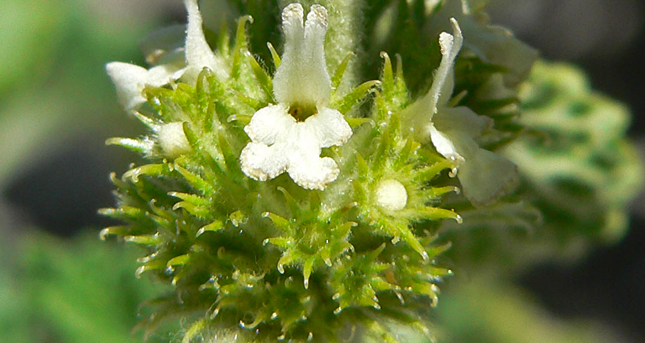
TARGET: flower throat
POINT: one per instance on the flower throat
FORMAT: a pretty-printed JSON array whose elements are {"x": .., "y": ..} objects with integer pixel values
[{"x": 301, "y": 111}]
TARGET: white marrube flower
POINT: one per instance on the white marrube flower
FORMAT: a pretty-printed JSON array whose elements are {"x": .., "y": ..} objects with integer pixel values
[
  {"x": 130, "y": 80},
  {"x": 289, "y": 136},
  {"x": 484, "y": 175}
]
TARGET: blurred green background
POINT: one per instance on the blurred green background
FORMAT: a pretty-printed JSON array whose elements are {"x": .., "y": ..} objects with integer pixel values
[{"x": 59, "y": 283}]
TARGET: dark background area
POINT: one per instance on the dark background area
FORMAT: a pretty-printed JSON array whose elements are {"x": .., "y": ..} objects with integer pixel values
[{"x": 607, "y": 39}]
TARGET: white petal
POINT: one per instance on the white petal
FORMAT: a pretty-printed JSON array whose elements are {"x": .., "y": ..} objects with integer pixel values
[
  {"x": 261, "y": 162},
  {"x": 269, "y": 123},
  {"x": 292, "y": 25},
  {"x": 313, "y": 172},
  {"x": 302, "y": 140},
  {"x": 486, "y": 176},
  {"x": 198, "y": 53},
  {"x": 443, "y": 83},
  {"x": 302, "y": 76},
  {"x": 129, "y": 81},
  {"x": 315, "y": 31},
  {"x": 161, "y": 75},
  {"x": 287, "y": 79},
  {"x": 306, "y": 168},
  {"x": 330, "y": 127},
  {"x": 444, "y": 145},
  {"x": 462, "y": 119},
  {"x": 424, "y": 109}
]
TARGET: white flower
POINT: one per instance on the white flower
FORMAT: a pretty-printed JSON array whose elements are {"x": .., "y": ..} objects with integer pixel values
[
  {"x": 289, "y": 136},
  {"x": 130, "y": 80},
  {"x": 484, "y": 175}
]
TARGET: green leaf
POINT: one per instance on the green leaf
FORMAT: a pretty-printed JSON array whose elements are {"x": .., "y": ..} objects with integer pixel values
[
  {"x": 161, "y": 169},
  {"x": 240, "y": 45},
  {"x": 191, "y": 198},
  {"x": 340, "y": 71},
  {"x": 212, "y": 227},
  {"x": 178, "y": 261},
  {"x": 274, "y": 55},
  {"x": 196, "y": 181},
  {"x": 281, "y": 223},
  {"x": 261, "y": 75},
  {"x": 142, "y": 146},
  {"x": 352, "y": 98},
  {"x": 154, "y": 239}
]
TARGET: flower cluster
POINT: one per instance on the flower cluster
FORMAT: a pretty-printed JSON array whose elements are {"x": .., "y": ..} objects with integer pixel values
[
  {"x": 289, "y": 136},
  {"x": 296, "y": 205},
  {"x": 483, "y": 174}
]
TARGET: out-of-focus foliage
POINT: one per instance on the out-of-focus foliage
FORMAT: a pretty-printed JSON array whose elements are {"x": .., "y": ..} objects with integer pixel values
[
  {"x": 53, "y": 86},
  {"x": 53, "y": 89},
  {"x": 579, "y": 173},
  {"x": 486, "y": 309},
  {"x": 14, "y": 322},
  {"x": 31, "y": 31},
  {"x": 72, "y": 291}
]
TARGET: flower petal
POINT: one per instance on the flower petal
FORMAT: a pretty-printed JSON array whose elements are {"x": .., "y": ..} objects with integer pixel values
[
  {"x": 313, "y": 172},
  {"x": 198, "y": 53},
  {"x": 292, "y": 25},
  {"x": 330, "y": 127},
  {"x": 424, "y": 109},
  {"x": 445, "y": 145},
  {"x": 162, "y": 74},
  {"x": 261, "y": 162},
  {"x": 284, "y": 83},
  {"x": 129, "y": 81},
  {"x": 315, "y": 31},
  {"x": 306, "y": 168},
  {"x": 444, "y": 78},
  {"x": 269, "y": 123},
  {"x": 462, "y": 119},
  {"x": 485, "y": 176},
  {"x": 302, "y": 76}
]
